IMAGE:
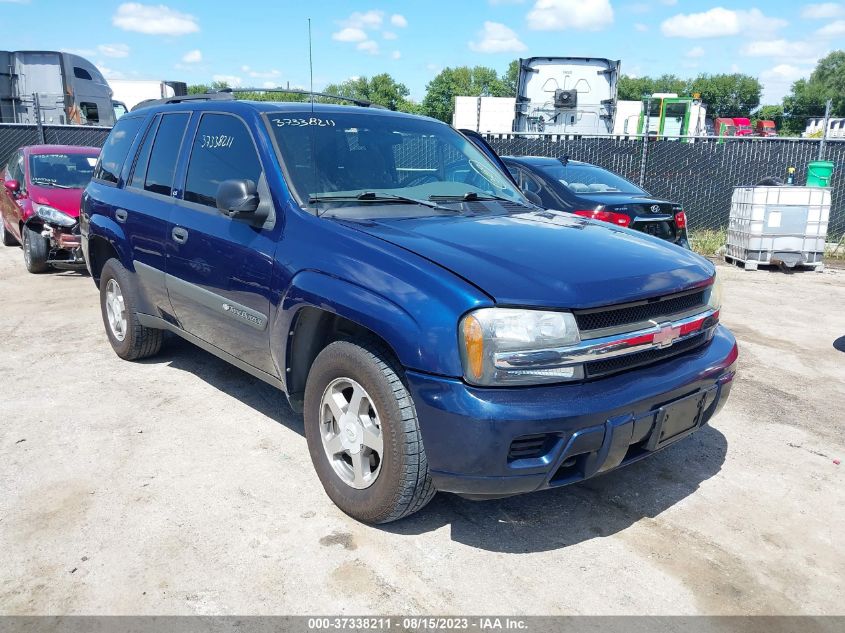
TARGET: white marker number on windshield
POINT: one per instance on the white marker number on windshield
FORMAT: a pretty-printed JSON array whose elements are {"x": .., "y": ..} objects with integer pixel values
[{"x": 304, "y": 122}]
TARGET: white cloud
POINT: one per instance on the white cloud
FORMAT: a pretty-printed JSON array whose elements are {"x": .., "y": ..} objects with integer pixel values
[
  {"x": 639, "y": 26},
  {"x": 782, "y": 49},
  {"x": 398, "y": 21},
  {"x": 260, "y": 74},
  {"x": 192, "y": 57},
  {"x": 778, "y": 81},
  {"x": 496, "y": 38},
  {"x": 365, "y": 20},
  {"x": 823, "y": 11},
  {"x": 368, "y": 46},
  {"x": 270, "y": 84},
  {"x": 558, "y": 15},
  {"x": 389, "y": 35},
  {"x": 232, "y": 80},
  {"x": 719, "y": 22},
  {"x": 110, "y": 73},
  {"x": 350, "y": 34},
  {"x": 396, "y": 55},
  {"x": 695, "y": 52},
  {"x": 153, "y": 19},
  {"x": 834, "y": 29},
  {"x": 114, "y": 50}
]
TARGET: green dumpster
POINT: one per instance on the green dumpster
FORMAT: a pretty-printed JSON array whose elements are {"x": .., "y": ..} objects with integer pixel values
[{"x": 819, "y": 173}]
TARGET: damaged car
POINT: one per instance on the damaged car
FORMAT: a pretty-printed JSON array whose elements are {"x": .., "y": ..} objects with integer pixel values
[{"x": 40, "y": 204}]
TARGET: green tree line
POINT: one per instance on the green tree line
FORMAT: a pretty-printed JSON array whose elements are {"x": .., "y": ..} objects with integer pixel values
[{"x": 726, "y": 95}]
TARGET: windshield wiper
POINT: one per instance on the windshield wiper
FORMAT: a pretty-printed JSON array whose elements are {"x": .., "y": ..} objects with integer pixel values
[
  {"x": 472, "y": 196},
  {"x": 51, "y": 184},
  {"x": 372, "y": 196}
]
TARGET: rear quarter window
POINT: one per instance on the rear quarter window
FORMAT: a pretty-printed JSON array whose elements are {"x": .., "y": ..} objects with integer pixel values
[{"x": 116, "y": 148}]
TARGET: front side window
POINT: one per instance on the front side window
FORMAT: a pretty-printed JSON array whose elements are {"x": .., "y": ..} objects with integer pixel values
[
  {"x": 165, "y": 153},
  {"x": 61, "y": 171},
  {"x": 139, "y": 171},
  {"x": 116, "y": 148},
  {"x": 338, "y": 153},
  {"x": 589, "y": 179},
  {"x": 223, "y": 150}
]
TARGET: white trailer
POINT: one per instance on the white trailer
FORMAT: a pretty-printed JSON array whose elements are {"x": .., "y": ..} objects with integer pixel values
[
  {"x": 492, "y": 115},
  {"x": 131, "y": 92}
]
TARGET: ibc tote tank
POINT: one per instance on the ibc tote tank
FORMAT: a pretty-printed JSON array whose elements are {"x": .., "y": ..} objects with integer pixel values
[{"x": 774, "y": 225}]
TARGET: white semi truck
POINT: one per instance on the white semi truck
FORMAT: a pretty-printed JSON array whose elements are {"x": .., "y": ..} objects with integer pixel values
[{"x": 131, "y": 92}]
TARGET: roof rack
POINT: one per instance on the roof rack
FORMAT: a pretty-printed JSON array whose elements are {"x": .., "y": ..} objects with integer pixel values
[{"x": 228, "y": 94}]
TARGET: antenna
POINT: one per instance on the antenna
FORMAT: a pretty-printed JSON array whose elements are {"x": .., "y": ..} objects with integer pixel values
[{"x": 311, "y": 65}]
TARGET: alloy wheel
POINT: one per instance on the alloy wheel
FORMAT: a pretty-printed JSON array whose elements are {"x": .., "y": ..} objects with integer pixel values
[{"x": 115, "y": 310}]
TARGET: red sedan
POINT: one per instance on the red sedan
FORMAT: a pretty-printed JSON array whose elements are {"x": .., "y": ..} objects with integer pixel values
[{"x": 40, "y": 200}]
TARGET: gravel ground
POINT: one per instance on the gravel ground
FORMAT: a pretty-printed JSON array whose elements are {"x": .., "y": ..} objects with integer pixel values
[{"x": 181, "y": 485}]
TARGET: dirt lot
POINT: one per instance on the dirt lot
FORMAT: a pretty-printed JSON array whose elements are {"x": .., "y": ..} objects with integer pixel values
[{"x": 181, "y": 485}]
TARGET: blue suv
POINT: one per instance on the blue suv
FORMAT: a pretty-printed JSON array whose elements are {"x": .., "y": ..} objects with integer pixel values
[{"x": 436, "y": 329}]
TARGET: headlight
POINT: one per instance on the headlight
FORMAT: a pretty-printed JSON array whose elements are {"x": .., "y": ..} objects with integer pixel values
[
  {"x": 504, "y": 346},
  {"x": 53, "y": 216},
  {"x": 714, "y": 297}
]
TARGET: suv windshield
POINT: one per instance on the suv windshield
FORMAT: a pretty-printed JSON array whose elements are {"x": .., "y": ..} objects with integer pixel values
[
  {"x": 589, "y": 179},
  {"x": 391, "y": 159},
  {"x": 64, "y": 171}
]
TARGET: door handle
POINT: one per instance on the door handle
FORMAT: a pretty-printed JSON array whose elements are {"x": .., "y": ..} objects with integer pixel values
[
  {"x": 120, "y": 215},
  {"x": 179, "y": 235}
]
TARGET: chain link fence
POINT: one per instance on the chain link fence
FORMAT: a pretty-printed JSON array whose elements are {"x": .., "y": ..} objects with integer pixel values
[
  {"x": 700, "y": 174},
  {"x": 14, "y": 135}
]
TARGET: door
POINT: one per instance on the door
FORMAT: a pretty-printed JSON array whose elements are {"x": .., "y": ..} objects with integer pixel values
[
  {"x": 10, "y": 204},
  {"x": 219, "y": 268},
  {"x": 146, "y": 221},
  {"x": 675, "y": 117}
]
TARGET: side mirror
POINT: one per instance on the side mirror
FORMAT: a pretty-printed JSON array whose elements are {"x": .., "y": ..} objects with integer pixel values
[
  {"x": 12, "y": 186},
  {"x": 236, "y": 197}
]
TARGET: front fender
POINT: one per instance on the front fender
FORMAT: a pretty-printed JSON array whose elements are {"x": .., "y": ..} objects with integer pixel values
[{"x": 397, "y": 327}]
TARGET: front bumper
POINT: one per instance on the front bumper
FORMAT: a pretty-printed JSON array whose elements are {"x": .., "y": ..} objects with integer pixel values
[{"x": 588, "y": 428}]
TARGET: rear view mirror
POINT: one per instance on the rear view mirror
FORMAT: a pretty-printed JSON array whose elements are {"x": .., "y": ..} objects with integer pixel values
[
  {"x": 236, "y": 197},
  {"x": 13, "y": 186}
]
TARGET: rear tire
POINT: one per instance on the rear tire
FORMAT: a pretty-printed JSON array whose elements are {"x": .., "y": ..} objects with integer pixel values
[
  {"x": 8, "y": 238},
  {"x": 118, "y": 303},
  {"x": 35, "y": 251},
  {"x": 396, "y": 481}
]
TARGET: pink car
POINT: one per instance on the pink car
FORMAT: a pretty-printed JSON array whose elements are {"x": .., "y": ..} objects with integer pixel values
[{"x": 40, "y": 201}]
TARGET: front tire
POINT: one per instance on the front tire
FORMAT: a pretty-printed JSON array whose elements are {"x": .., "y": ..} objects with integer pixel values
[
  {"x": 35, "y": 251},
  {"x": 119, "y": 306},
  {"x": 363, "y": 434}
]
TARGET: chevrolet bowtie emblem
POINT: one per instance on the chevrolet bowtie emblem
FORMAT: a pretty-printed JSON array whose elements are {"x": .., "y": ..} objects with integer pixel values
[{"x": 666, "y": 335}]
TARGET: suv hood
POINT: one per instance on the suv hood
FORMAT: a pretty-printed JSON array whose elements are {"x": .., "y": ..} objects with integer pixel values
[{"x": 547, "y": 258}]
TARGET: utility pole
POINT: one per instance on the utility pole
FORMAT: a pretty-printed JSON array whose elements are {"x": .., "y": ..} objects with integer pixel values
[
  {"x": 646, "y": 125},
  {"x": 827, "y": 107}
]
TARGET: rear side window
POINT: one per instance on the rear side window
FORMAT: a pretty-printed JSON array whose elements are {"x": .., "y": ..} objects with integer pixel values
[
  {"x": 81, "y": 73},
  {"x": 116, "y": 147},
  {"x": 139, "y": 172},
  {"x": 165, "y": 154},
  {"x": 223, "y": 149}
]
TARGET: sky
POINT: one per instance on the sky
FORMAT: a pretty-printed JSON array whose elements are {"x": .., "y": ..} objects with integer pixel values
[{"x": 264, "y": 44}]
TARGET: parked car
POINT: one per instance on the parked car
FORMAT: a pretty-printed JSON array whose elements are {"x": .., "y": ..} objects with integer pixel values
[
  {"x": 594, "y": 192},
  {"x": 743, "y": 126},
  {"x": 40, "y": 203},
  {"x": 437, "y": 330},
  {"x": 765, "y": 128}
]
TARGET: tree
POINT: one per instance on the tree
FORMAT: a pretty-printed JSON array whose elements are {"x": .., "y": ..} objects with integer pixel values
[
  {"x": 441, "y": 91},
  {"x": 770, "y": 113},
  {"x": 728, "y": 95},
  {"x": 635, "y": 88},
  {"x": 510, "y": 79},
  {"x": 809, "y": 96},
  {"x": 381, "y": 89}
]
